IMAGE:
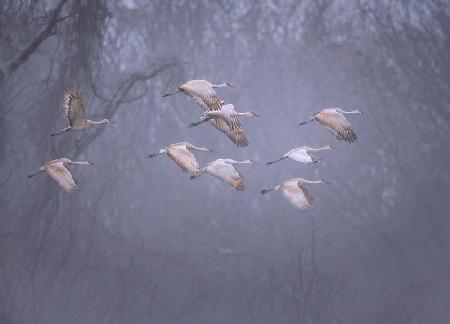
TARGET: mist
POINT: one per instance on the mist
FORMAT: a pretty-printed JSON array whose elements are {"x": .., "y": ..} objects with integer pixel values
[{"x": 139, "y": 242}]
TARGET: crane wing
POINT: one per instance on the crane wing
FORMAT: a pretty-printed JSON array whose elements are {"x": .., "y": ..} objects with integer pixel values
[
  {"x": 74, "y": 107},
  {"x": 61, "y": 175},
  {"x": 297, "y": 195},
  {"x": 309, "y": 199},
  {"x": 228, "y": 173},
  {"x": 338, "y": 125},
  {"x": 301, "y": 155},
  {"x": 184, "y": 159},
  {"x": 237, "y": 135},
  {"x": 203, "y": 94},
  {"x": 234, "y": 124},
  {"x": 208, "y": 101}
]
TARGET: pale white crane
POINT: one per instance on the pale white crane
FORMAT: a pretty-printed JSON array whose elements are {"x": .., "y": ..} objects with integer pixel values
[
  {"x": 59, "y": 170},
  {"x": 302, "y": 154},
  {"x": 204, "y": 95},
  {"x": 182, "y": 155},
  {"x": 334, "y": 120},
  {"x": 75, "y": 113},
  {"x": 224, "y": 169},
  {"x": 228, "y": 114},
  {"x": 294, "y": 190}
]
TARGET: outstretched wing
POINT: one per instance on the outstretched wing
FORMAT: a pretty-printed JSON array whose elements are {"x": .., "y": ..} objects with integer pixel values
[
  {"x": 308, "y": 198},
  {"x": 338, "y": 125},
  {"x": 203, "y": 94},
  {"x": 74, "y": 107},
  {"x": 184, "y": 159},
  {"x": 234, "y": 123},
  {"x": 61, "y": 175},
  {"x": 297, "y": 195},
  {"x": 208, "y": 102},
  {"x": 236, "y": 135},
  {"x": 228, "y": 173},
  {"x": 224, "y": 114},
  {"x": 301, "y": 155}
]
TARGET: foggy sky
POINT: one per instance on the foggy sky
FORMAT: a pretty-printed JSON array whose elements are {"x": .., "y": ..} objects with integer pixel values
[{"x": 140, "y": 242}]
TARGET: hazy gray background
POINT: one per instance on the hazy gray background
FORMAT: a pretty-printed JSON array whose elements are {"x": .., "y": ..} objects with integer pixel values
[{"x": 141, "y": 243}]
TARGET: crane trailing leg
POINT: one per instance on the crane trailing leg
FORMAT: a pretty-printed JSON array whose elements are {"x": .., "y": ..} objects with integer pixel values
[{"x": 62, "y": 131}]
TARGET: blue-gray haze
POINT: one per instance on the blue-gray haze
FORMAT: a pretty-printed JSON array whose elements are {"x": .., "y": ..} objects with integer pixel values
[{"x": 141, "y": 243}]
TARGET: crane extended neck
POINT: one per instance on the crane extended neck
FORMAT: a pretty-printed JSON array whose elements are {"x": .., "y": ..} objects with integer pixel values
[
  {"x": 81, "y": 162},
  {"x": 232, "y": 162},
  {"x": 248, "y": 114},
  {"x": 326, "y": 147},
  {"x": 204, "y": 149},
  {"x": 312, "y": 181},
  {"x": 103, "y": 121}
]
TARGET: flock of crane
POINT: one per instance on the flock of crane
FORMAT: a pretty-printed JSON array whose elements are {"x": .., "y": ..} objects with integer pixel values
[{"x": 225, "y": 119}]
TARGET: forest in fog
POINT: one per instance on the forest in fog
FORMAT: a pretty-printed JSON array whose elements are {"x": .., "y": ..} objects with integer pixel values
[{"x": 139, "y": 242}]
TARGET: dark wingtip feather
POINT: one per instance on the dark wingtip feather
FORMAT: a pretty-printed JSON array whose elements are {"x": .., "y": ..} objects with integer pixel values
[{"x": 348, "y": 136}]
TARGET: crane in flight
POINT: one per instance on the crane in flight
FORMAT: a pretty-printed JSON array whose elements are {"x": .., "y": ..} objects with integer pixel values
[
  {"x": 224, "y": 169},
  {"x": 181, "y": 153},
  {"x": 75, "y": 113},
  {"x": 334, "y": 120},
  {"x": 295, "y": 191},
  {"x": 204, "y": 94},
  {"x": 59, "y": 170},
  {"x": 228, "y": 114},
  {"x": 302, "y": 154}
]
